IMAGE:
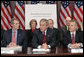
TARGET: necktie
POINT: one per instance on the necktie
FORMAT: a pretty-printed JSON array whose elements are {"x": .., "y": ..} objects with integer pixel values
[
  {"x": 73, "y": 39},
  {"x": 44, "y": 38},
  {"x": 33, "y": 30},
  {"x": 13, "y": 38}
]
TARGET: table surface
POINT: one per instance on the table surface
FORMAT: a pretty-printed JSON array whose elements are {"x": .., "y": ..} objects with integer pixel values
[{"x": 58, "y": 51}]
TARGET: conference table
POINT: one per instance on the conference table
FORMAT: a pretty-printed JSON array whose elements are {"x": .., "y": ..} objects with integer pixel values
[{"x": 58, "y": 51}]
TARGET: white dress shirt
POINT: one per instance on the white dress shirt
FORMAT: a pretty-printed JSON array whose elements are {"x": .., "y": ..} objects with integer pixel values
[
  {"x": 74, "y": 38},
  {"x": 40, "y": 45}
]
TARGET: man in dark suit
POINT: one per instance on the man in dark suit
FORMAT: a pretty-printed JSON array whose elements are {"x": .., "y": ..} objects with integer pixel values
[
  {"x": 2, "y": 32},
  {"x": 14, "y": 36},
  {"x": 72, "y": 38},
  {"x": 64, "y": 29},
  {"x": 50, "y": 25},
  {"x": 43, "y": 37}
]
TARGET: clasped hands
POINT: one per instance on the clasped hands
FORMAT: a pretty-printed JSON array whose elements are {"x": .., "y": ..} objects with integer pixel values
[
  {"x": 12, "y": 44},
  {"x": 76, "y": 45},
  {"x": 44, "y": 46}
]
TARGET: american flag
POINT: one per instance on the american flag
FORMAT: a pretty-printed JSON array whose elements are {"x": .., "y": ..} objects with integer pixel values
[
  {"x": 35, "y": 2},
  {"x": 5, "y": 15},
  {"x": 65, "y": 11},
  {"x": 50, "y": 2},
  {"x": 20, "y": 13},
  {"x": 78, "y": 12}
]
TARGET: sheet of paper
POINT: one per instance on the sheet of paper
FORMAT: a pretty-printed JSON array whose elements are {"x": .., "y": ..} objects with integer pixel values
[
  {"x": 41, "y": 50},
  {"x": 7, "y": 51},
  {"x": 79, "y": 50},
  {"x": 18, "y": 48}
]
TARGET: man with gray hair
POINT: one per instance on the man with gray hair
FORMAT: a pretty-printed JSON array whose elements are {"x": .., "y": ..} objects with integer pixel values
[
  {"x": 72, "y": 38},
  {"x": 44, "y": 37},
  {"x": 51, "y": 25}
]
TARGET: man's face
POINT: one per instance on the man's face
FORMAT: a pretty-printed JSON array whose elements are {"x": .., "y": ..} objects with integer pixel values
[
  {"x": 15, "y": 25},
  {"x": 67, "y": 21},
  {"x": 50, "y": 24},
  {"x": 72, "y": 26},
  {"x": 43, "y": 26}
]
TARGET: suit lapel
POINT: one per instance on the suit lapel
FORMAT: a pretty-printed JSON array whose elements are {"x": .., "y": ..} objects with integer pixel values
[
  {"x": 18, "y": 34},
  {"x": 76, "y": 36},
  {"x": 10, "y": 35},
  {"x": 69, "y": 36},
  {"x": 47, "y": 35},
  {"x": 41, "y": 35}
]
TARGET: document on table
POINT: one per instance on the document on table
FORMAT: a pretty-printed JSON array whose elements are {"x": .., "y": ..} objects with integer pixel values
[
  {"x": 40, "y": 51},
  {"x": 10, "y": 50},
  {"x": 78, "y": 50}
]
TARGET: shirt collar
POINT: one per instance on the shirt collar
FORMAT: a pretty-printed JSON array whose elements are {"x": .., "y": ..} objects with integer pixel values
[
  {"x": 45, "y": 31},
  {"x": 13, "y": 31},
  {"x": 73, "y": 32}
]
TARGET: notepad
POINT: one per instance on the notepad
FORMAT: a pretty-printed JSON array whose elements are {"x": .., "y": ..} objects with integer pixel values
[
  {"x": 7, "y": 51},
  {"x": 47, "y": 50},
  {"x": 40, "y": 51},
  {"x": 10, "y": 49},
  {"x": 79, "y": 50}
]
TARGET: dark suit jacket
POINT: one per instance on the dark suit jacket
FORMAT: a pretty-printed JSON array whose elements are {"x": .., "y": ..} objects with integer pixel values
[
  {"x": 67, "y": 38},
  {"x": 62, "y": 31},
  {"x": 38, "y": 37},
  {"x": 56, "y": 31},
  {"x": 21, "y": 38},
  {"x": 30, "y": 36},
  {"x": 81, "y": 36},
  {"x": 2, "y": 32}
]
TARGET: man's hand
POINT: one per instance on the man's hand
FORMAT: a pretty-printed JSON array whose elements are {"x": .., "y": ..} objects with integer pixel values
[
  {"x": 76, "y": 45},
  {"x": 11, "y": 44},
  {"x": 44, "y": 46}
]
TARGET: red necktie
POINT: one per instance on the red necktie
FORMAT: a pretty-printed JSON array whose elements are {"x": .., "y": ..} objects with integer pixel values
[
  {"x": 44, "y": 38},
  {"x": 13, "y": 38},
  {"x": 33, "y": 30},
  {"x": 73, "y": 39}
]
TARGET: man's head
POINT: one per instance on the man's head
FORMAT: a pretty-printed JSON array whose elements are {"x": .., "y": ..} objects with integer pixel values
[
  {"x": 33, "y": 24},
  {"x": 73, "y": 26},
  {"x": 67, "y": 21},
  {"x": 50, "y": 23},
  {"x": 15, "y": 23},
  {"x": 43, "y": 24}
]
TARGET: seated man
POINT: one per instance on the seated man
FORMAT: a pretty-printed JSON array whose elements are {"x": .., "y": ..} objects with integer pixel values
[
  {"x": 14, "y": 36},
  {"x": 44, "y": 37},
  {"x": 72, "y": 38},
  {"x": 2, "y": 32},
  {"x": 50, "y": 25},
  {"x": 64, "y": 29}
]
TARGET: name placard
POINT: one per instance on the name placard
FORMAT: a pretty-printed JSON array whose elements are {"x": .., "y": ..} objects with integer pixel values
[
  {"x": 80, "y": 50},
  {"x": 7, "y": 51}
]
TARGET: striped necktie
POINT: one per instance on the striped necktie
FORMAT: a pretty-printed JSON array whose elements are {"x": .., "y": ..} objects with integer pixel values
[{"x": 13, "y": 38}]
